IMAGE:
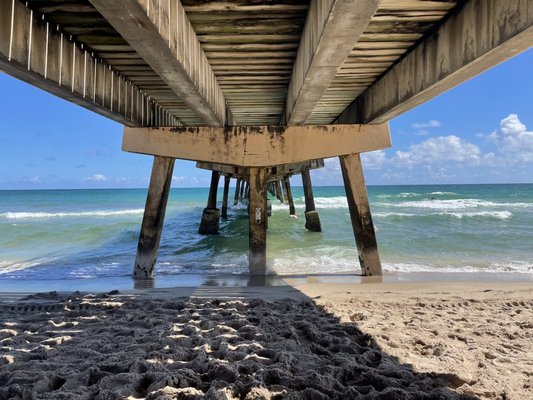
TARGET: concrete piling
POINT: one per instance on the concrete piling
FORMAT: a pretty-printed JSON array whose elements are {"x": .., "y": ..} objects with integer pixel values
[
  {"x": 257, "y": 221},
  {"x": 154, "y": 215},
  {"x": 312, "y": 220},
  {"x": 288, "y": 195},
  {"x": 363, "y": 228},
  {"x": 237, "y": 190},
  {"x": 210, "y": 222},
  {"x": 224, "y": 213}
]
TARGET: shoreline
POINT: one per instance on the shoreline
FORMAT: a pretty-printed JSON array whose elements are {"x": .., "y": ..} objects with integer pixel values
[{"x": 106, "y": 284}]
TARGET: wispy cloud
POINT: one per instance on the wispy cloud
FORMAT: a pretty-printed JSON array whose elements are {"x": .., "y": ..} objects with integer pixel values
[
  {"x": 432, "y": 123},
  {"x": 97, "y": 178}
]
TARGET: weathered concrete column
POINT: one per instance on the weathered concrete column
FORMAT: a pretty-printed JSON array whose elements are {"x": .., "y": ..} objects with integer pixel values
[
  {"x": 237, "y": 190},
  {"x": 312, "y": 220},
  {"x": 154, "y": 215},
  {"x": 247, "y": 190},
  {"x": 257, "y": 221},
  {"x": 288, "y": 195},
  {"x": 279, "y": 193},
  {"x": 224, "y": 213},
  {"x": 363, "y": 228},
  {"x": 241, "y": 195},
  {"x": 211, "y": 215}
]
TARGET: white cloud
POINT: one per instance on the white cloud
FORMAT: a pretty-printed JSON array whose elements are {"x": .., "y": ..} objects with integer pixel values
[
  {"x": 432, "y": 123},
  {"x": 439, "y": 150},
  {"x": 513, "y": 139},
  {"x": 96, "y": 178},
  {"x": 374, "y": 159}
]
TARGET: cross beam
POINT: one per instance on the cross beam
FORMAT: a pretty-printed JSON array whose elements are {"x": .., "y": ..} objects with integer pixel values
[
  {"x": 274, "y": 173},
  {"x": 482, "y": 34},
  {"x": 256, "y": 146},
  {"x": 331, "y": 30},
  {"x": 160, "y": 32}
]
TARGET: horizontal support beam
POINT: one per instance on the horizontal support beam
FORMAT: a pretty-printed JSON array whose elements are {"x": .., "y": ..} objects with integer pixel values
[
  {"x": 482, "y": 34},
  {"x": 274, "y": 173},
  {"x": 256, "y": 146},
  {"x": 39, "y": 53},
  {"x": 160, "y": 32},
  {"x": 331, "y": 30}
]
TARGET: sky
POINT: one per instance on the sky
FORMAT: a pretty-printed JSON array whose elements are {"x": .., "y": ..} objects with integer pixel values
[{"x": 478, "y": 132}]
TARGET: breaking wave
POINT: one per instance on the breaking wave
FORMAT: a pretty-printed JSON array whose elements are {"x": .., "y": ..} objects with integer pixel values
[
  {"x": 460, "y": 215},
  {"x": 98, "y": 213}
]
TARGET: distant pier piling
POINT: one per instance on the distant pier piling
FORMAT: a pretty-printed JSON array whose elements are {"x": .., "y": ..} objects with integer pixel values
[
  {"x": 312, "y": 220},
  {"x": 288, "y": 195},
  {"x": 224, "y": 212},
  {"x": 210, "y": 222},
  {"x": 237, "y": 189}
]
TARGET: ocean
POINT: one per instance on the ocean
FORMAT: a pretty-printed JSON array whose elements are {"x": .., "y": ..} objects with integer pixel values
[{"x": 84, "y": 234}]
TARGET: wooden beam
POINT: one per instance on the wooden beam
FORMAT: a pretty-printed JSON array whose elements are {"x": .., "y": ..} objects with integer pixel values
[
  {"x": 154, "y": 215},
  {"x": 39, "y": 53},
  {"x": 482, "y": 34},
  {"x": 160, "y": 32},
  {"x": 363, "y": 228},
  {"x": 256, "y": 146},
  {"x": 331, "y": 30}
]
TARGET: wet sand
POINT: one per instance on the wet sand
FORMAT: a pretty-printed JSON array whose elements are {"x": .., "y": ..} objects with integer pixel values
[{"x": 311, "y": 340}]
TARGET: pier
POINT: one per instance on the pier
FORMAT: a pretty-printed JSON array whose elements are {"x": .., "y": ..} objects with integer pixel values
[{"x": 256, "y": 91}]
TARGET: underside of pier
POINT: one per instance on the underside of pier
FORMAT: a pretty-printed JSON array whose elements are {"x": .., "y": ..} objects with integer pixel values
[{"x": 256, "y": 90}]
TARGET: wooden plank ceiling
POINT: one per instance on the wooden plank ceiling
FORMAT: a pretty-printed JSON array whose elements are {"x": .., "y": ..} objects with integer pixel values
[{"x": 251, "y": 46}]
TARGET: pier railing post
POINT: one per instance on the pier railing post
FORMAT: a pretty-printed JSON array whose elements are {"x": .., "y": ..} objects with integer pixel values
[
  {"x": 312, "y": 220},
  {"x": 257, "y": 221},
  {"x": 211, "y": 214},
  {"x": 288, "y": 195},
  {"x": 363, "y": 228},
  {"x": 154, "y": 215},
  {"x": 224, "y": 213}
]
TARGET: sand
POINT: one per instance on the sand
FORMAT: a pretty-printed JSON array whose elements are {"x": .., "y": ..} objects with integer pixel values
[{"x": 328, "y": 341}]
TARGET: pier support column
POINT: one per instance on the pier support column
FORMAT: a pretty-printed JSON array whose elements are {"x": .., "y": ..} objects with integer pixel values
[
  {"x": 241, "y": 195},
  {"x": 279, "y": 193},
  {"x": 312, "y": 220},
  {"x": 211, "y": 215},
  {"x": 288, "y": 195},
  {"x": 363, "y": 228},
  {"x": 258, "y": 221},
  {"x": 224, "y": 213},
  {"x": 237, "y": 190},
  {"x": 247, "y": 190},
  {"x": 154, "y": 215}
]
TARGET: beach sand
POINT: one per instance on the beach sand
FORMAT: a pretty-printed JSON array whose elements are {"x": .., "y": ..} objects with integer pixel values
[{"x": 311, "y": 340}]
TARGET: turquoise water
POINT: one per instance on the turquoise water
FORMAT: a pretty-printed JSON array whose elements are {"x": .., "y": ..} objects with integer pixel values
[{"x": 65, "y": 234}]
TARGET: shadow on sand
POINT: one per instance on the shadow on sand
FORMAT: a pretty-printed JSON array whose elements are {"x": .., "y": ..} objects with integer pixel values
[{"x": 117, "y": 346}]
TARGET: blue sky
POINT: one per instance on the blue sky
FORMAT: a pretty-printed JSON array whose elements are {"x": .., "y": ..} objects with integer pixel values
[{"x": 478, "y": 132}]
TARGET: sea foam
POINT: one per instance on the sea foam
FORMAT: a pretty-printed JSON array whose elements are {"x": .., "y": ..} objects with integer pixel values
[
  {"x": 460, "y": 215},
  {"x": 456, "y": 204},
  {"x": 97, "y": 213}
]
